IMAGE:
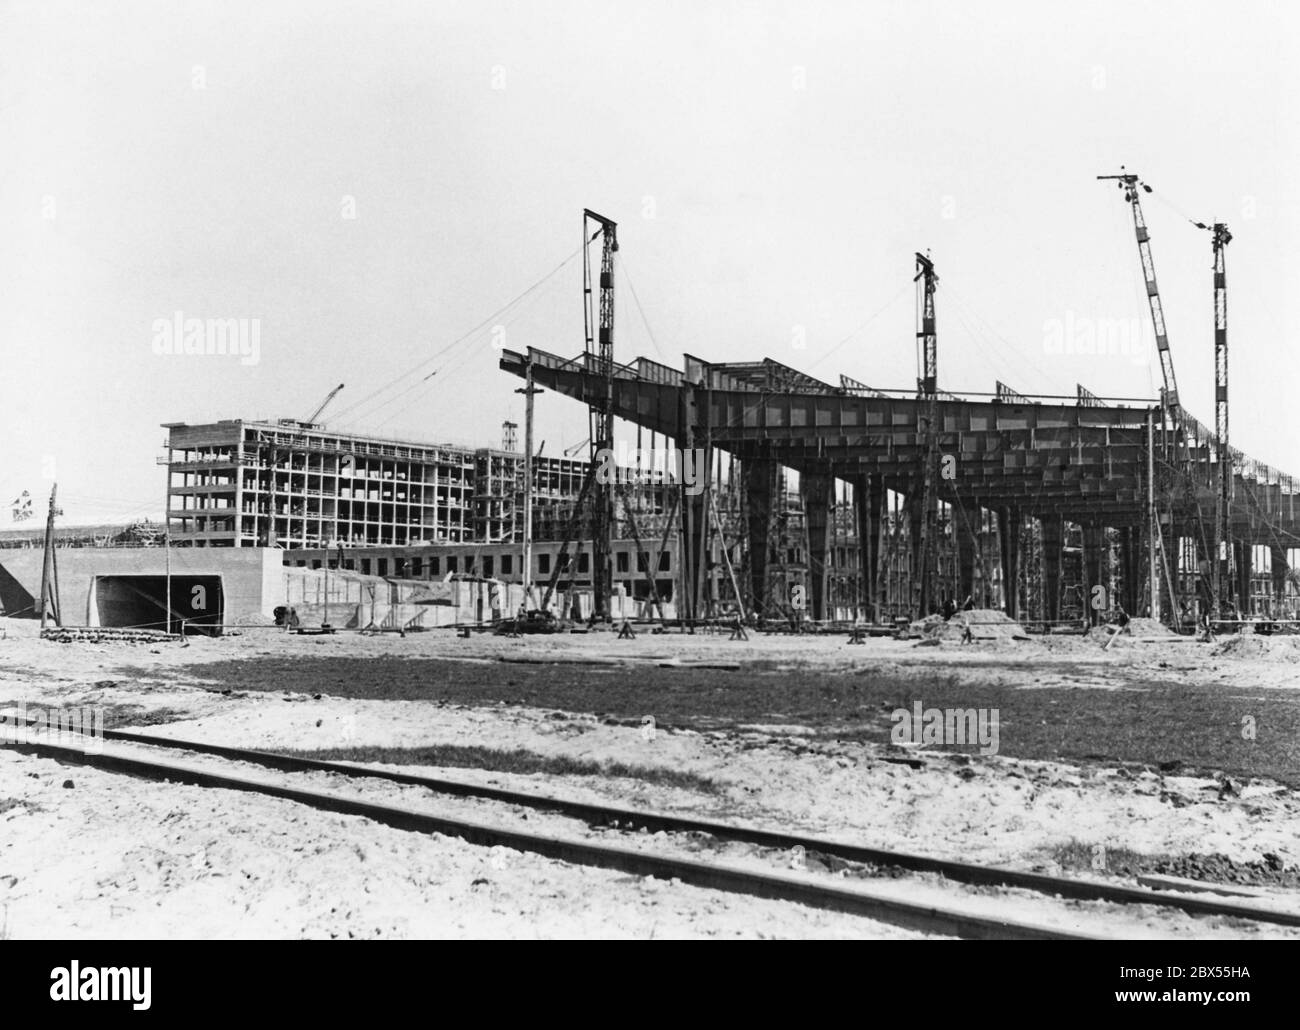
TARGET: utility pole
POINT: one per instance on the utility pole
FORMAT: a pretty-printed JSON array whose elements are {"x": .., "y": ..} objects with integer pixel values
[
  {"x": 49, "y": 577},
  {"x": 529, "y": 391},
  {"x": 325, "y": 619},
  {"x": 167, "y": 542},
  {"x": 167, "y": 548},
  {"x": 167, "y": 589}
]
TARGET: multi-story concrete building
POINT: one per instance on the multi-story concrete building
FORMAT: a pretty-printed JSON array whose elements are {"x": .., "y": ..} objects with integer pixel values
[
  {"x": 290, "y": 484},
  {"x": 395, "y": 508}
]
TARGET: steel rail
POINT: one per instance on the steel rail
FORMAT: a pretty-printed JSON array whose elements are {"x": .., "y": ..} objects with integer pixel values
[
  {"x": 629, "y": 818},
  {"x": 949, "y": 921}
]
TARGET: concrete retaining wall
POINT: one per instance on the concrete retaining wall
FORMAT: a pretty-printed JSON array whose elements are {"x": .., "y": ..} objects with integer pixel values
[{"x": 251, "y": 578}]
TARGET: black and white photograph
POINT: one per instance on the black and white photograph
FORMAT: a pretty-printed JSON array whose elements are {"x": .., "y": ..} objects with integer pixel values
[{"x": 650, "y": 470}]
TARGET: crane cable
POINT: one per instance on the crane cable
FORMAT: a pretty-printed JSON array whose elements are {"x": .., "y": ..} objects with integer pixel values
[{"x": 461, "y": 339}]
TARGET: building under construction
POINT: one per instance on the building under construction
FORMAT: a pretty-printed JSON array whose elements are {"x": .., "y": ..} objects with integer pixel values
[
  {"x": 792, "y": 500},
  {"x": 296, "y": 484},
  {"x": 1051, "y": 508}
]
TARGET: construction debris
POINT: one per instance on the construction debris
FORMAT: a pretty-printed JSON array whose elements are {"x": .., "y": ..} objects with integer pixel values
[
  {"x": 102, "y": 634},
  {"x": 1249, "y": 645},
  {"x": 1148, "y": 628},
  {"x": 976, "y": 625}
]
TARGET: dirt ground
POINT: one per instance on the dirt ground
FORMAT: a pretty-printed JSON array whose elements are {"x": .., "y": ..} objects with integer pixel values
[{"x": 1145, "y": 757}]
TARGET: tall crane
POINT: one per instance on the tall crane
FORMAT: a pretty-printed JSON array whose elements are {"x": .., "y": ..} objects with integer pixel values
[
  {"x": 1223, "y": 591},
  {"x": 923, "y": 579},
  {"x": 601, "y": 408},
  {"x": 1133, "y": 187},
  {"x": 598, "y": 324}
]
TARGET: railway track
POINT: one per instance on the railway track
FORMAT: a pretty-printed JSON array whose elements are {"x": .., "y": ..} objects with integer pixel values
[{"x": 803, "y": 889}]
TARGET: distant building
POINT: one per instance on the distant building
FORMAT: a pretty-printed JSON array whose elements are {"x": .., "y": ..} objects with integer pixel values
[
  {"x": 136, "y": 534},
  {"x": 289, "y": 484},
  {"x": 366, "y": 506}
]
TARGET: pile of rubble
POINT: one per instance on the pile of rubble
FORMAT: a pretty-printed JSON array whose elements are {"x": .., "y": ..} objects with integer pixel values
[
  {"x": 1251, "y": 645},
  {"x": 1139, "y": 627},
  {"x": 973, "y": 626},
  {"x": 100, "y": 634}
]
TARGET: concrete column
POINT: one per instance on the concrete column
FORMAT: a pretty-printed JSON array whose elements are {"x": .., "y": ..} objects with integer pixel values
[
  {"x": 1053, "y": 534},
  {"x": 1204, "y": 576},
  {"x": 1245, "y": 556},
  {"x": 1009, "y": 543},
  {"x": 1095, "y": 568},
  {"x": 1173, "y": 553},
  {"x": 912, "y": 502},
  {"x": 868, "y": 504},
  {"x": 917, "y": 585},
  {"x": 965, "y": 523},
  {"x": 815, "y": 491},
  {"x": 760, "y": 484},
  {"x": 1129, "y": 570},
  {"x": 1278, "y": 566},
  {"x": 692, "y": 534},
  {"x": 692, "y": 406}
]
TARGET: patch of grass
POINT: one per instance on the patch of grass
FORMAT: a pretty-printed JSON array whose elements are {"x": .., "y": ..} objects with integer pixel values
[
  {"x": 1208, "y": 868},
  {"x": 8, "y": 804},
  {"x": 1076, "y": 855},
  {"x": 515, "y": 760},
  {"x": 114, "y": 715},
  {"x": 1152, "y": 723},
  {"x": 141, "y": 715}
]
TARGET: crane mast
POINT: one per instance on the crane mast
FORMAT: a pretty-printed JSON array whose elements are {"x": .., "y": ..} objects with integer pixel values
[
  {"x": 1223, "y": 516},
  {"x": 927, "y": 387},
  {"x": 601, "y": 408},
  {"x": 598, "y": 326}
]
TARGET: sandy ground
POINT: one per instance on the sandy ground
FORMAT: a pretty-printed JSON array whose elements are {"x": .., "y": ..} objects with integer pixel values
[{"x": 115, "y": 857}]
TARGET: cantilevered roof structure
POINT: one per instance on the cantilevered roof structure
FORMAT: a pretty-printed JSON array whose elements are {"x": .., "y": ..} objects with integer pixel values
[{"x": 1083, "y": 459}]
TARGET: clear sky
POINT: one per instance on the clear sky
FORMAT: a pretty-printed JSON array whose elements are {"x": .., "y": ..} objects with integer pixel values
[{"x": 371, "y": 181}]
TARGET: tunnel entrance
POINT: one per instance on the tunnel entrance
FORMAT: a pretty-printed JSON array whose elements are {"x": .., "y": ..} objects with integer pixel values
[{"x": 140, "y": 602}]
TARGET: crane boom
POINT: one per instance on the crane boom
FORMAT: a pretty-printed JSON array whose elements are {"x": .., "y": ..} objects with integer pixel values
[
  {"x": 323, "y": 404},
  {"x": 1132, "y": 186}
]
